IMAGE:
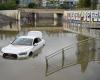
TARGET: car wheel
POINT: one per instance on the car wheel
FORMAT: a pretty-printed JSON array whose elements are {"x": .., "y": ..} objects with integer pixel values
[{"x": 30, "y": 54}]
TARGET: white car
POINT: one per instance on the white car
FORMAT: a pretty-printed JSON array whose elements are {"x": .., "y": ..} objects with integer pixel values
[{"x": 24, "y": 46}]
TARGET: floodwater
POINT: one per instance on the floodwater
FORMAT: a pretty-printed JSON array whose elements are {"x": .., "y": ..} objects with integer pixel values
[{"x": 81, "y": 62}]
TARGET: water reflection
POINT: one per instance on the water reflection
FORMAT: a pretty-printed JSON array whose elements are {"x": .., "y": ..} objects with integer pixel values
[
  {"x": 77, "y": 60},
  {"x": 11, "y": 26},
  {"x": 14, "y": 29},
  {"x": 86, "y": 53},
  {"x": 9, "y": 32},
  {"x": 81, "y": 53},
  {"x": 82, "y": 28},
  {"x": 40, "y": 22}
]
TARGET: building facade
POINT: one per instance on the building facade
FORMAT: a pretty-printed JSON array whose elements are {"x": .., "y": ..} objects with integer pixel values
[
  {"x": 47, "y": 3},
  {"x": 6, "y": 1},
  {"x": 57, "y": 3},
  {"x": 24, "y": 3}
]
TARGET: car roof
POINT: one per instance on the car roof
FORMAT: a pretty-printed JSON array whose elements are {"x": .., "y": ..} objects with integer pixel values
[
  {"x": 35, "y": 34},
  {"x": 29, "y": 37}
]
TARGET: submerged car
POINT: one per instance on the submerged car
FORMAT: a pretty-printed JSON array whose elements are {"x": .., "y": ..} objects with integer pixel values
[{"x": 24, "y": 46}]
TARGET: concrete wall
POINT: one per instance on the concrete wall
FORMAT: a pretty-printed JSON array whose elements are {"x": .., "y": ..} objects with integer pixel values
[
  {"x": 83, "y": 15},
  {"x": 11, "y": 13},
  {"x": 15, "y": 26}
]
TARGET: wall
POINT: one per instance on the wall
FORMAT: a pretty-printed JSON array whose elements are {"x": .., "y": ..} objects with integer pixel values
[
  {"x": 83, "y": 15},
  {"x": 11, "y": 13}
]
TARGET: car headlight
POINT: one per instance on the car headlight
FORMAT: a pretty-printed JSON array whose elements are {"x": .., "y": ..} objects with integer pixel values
[{"x": 23, "y": 53}]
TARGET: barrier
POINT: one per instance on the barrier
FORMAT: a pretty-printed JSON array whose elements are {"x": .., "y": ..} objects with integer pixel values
[
  {"x": 11, "y": 13},
  {"x": 84, "y": 15},
  {"x": 63, "y": 58}
]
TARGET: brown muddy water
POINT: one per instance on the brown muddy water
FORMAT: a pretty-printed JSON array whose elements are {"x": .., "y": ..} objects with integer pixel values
[{"x": 81, "y": 62}]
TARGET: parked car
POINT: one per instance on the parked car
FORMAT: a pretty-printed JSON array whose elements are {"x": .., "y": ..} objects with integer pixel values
[{"x": 24, "y": 46}]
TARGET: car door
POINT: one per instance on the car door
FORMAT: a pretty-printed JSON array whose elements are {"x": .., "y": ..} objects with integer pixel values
[{"x": 37, "y": 43}]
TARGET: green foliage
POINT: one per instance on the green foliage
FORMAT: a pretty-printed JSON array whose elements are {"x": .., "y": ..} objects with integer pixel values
[
  {"x": 32, "y": 5},
  {"x": 94, "y": 4},
  {"x": 84, "y": 3},
  {"x": 7, "y": 6},
  {"x": 87, "y": 3},
  {"x": 17, "y": 2},
  {"x": 64, "y": 5}
]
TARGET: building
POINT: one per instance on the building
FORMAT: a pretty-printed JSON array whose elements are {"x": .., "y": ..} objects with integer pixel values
[
  {"x": 47, "y": 3},
  {"x": 6, "y": 1},
  {"x": 24, "y": 3},
  {"x": 57, "y": 3},
  {"x": 44, "y": 2}
]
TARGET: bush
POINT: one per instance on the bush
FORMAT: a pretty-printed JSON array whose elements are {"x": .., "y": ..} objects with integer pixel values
[
  {"x": 7, "y": 6},
  {"x": 64, "y": 6},
  {"x": 32, "y": 5},
  {"x": 85, "y": 3}
]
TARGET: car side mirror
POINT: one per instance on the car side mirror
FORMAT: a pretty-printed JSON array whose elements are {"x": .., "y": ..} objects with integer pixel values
[
  {"x": 35, "y": 44},
  {"x": 11, "y": 42}
]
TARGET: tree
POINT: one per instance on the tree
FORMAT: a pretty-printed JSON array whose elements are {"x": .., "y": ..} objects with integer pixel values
[
  {"x": 7, "y": 5},
  {"x": 17, "y": 2},
  {"x": 94, "y": 4},
  {"x": 84, "y": 3},
  {"x": 81, "y": 3},
  {"x": 64, "y": 5},
  {"x": 32, "y": 5}
]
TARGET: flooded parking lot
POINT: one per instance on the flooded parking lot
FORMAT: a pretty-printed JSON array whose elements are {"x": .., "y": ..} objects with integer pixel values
[{"x": 81, "y": 62}]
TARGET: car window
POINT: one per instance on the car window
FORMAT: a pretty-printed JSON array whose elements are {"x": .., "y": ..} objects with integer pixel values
[
  {"x": 23, "y": 41},
  {"x": 39, "y": 39},
  {"x": 36, "y": 40}
]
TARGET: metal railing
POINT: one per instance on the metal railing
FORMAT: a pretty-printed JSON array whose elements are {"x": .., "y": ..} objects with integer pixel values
[{"x": 51, "y": 59}]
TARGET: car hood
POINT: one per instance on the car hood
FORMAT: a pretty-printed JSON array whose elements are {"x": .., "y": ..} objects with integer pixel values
[{"x": 15, "y": 49}]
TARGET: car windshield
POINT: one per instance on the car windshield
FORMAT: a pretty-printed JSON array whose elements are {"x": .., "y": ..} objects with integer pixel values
[{"x": 22, "y": 41}]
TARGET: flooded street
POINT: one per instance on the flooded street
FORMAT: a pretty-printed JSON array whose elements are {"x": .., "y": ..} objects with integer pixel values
[{"x": 81, "y": 62}]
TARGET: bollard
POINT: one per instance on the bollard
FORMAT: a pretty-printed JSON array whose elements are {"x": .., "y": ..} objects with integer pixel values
[
  {"x": 62, "y": 58},
  {"x": 46, "y": 66}
]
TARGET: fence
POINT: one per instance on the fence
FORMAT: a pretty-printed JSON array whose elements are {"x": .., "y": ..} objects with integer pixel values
[{"x": 66, "y": 57}]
